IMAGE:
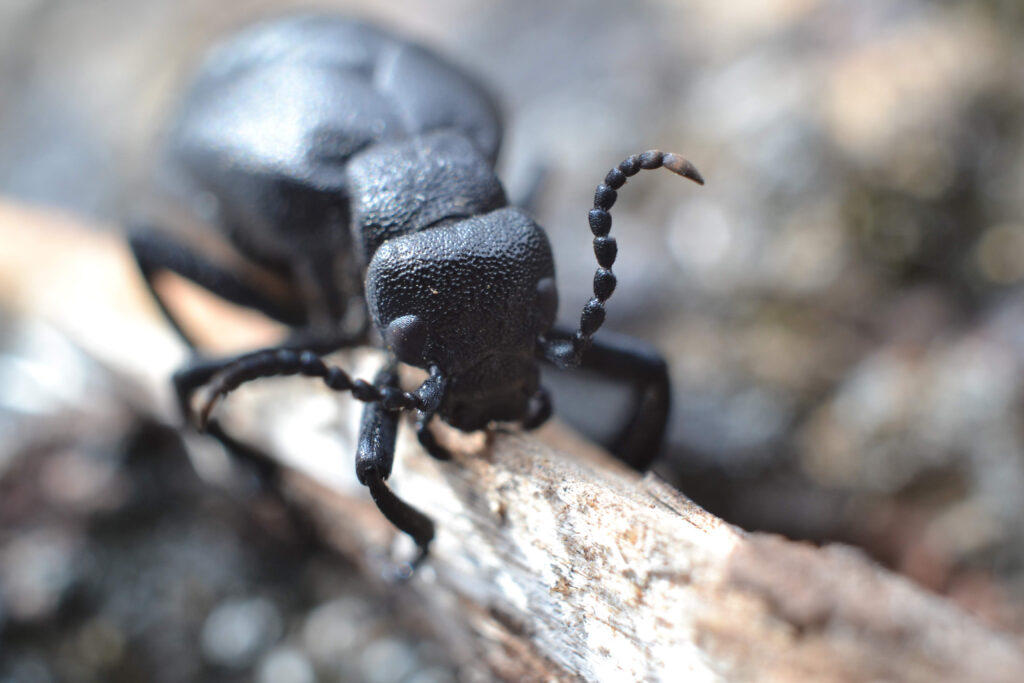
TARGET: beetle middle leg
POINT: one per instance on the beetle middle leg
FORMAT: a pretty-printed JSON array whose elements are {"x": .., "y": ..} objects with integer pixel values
[
  {"x": 155, "y": 253},
  {"x": 629, "y": 360},
  {"x": 540, "y": 409}
]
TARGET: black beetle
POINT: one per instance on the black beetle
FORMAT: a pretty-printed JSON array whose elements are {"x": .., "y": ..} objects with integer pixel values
[{"x": 341, "y": 162}]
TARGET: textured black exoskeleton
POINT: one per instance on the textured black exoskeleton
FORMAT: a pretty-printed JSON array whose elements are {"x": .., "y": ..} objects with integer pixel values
[{"x": 354, "y": 171}]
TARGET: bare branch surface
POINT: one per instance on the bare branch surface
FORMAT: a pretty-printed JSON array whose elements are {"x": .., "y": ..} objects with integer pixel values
[{"x": 552, "y": 562}]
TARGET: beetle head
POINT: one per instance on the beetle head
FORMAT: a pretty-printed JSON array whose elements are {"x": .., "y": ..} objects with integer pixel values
[{"x": 471, "y": 298}]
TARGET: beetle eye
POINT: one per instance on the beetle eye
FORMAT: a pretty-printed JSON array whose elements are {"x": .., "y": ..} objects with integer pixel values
[{"x": 407, "y": 336}]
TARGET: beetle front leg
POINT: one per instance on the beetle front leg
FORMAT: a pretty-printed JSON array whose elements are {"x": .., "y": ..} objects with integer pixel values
[
  {"x": 375, "y": 457},
  {"x": 431, "y": 392}
]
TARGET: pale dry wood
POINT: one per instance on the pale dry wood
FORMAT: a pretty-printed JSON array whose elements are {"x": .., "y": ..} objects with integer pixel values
[{"x": 552, "y": 562}]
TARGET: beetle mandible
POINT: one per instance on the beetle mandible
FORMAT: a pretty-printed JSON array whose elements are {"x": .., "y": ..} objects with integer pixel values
[{"x": 355, "y": 171}]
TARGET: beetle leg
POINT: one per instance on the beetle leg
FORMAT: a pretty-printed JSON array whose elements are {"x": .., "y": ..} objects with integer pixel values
[
  {"x": 375, "y": 456},
  {"x": 431, "y": 392},
  {"x": 629, "y": 360},
  {"x": 155, "y": 252},
  {"x": 427, "y": 439},
  {"x": 539, "y": 411}
]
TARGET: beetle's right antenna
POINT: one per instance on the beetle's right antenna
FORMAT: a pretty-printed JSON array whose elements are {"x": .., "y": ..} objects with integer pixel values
[{"x": 569, "y": 353}]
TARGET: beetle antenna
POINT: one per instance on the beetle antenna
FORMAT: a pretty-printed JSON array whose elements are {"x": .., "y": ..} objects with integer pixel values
[
  {"x": 284, "y": 362},
  {"x": 570, "y": 353}
]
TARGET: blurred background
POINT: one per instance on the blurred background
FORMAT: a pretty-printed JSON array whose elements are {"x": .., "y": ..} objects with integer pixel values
[{"x": 841, "y": 306}]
